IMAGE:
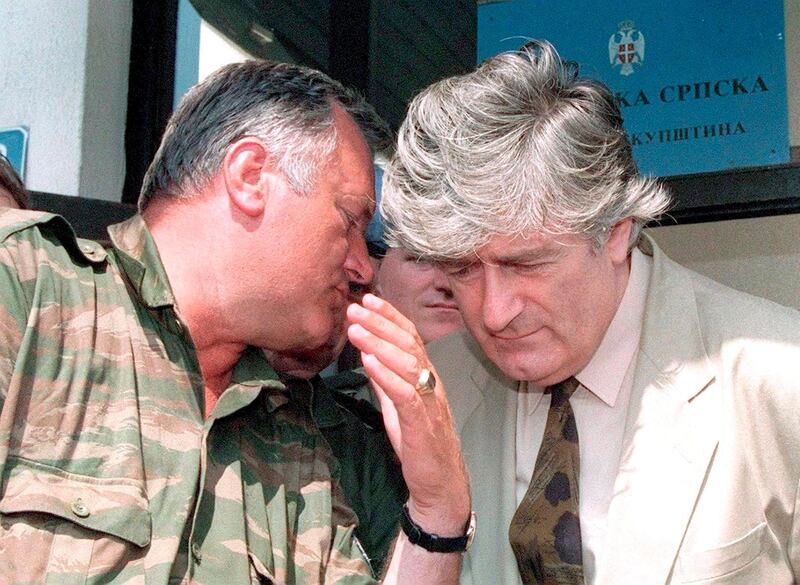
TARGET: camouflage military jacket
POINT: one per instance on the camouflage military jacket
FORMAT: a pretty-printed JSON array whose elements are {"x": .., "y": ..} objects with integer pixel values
[
  {"x": 109, "y": 472},
  {"x": 370, "y": 474}
]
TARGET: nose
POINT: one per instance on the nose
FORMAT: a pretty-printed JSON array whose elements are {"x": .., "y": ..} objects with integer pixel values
[
  {"x": 440, "y": 281},
  {"x": 357, "y": 265},
  {"x": 501, "y": 305}
]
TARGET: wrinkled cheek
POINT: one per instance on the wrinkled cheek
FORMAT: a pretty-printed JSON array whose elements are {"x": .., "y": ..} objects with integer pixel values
[
  {"x": 474, "y": 325},
  {"x": 471, "y": 310}
]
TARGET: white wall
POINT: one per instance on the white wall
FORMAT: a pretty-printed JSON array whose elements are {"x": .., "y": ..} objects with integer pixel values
[
  {"x": 760, "y": 256},
  {"x": 216, "y": 51},
  {"x": 41, "y": 87},
  {"x": 105, "y": 108},
  {"x": 63, "y": 73}
]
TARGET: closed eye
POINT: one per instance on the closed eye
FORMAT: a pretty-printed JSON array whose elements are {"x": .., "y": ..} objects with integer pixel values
[
  {"x": 460, "y": 271},
  {"x": 353, "y": 222},
  {"x": 528, "y": 268}
]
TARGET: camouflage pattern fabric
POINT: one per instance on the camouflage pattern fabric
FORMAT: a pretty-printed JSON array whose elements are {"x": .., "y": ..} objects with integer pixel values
[
  {"x": 370, "y": 473},
  {"x": 355, "y": 384},
  {"x": 545, "y": 532},
  {"x": 109, "y": 472}
]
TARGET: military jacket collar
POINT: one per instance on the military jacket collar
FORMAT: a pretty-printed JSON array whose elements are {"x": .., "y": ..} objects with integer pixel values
[{"x": 139, "y": 260}]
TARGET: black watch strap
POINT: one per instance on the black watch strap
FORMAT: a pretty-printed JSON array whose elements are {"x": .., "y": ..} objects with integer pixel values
[{"x": 432, "y": 542}]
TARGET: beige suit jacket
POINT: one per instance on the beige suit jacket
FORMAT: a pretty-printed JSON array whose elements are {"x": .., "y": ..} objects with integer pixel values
[{"x": 708, "y": 487}]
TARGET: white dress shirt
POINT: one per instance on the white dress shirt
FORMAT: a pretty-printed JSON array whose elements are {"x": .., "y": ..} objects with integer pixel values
[{"x": 600, "y": 406}]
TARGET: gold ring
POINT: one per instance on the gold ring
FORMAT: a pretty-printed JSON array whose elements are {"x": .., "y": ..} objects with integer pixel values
[{"x": 425, "y": 383}]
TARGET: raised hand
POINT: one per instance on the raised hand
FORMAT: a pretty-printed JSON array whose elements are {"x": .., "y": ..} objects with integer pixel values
[{"x": 419, "y": 424}]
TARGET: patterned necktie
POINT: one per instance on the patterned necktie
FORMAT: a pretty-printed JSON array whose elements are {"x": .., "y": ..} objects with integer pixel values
[{"x": 545, "y": 532}]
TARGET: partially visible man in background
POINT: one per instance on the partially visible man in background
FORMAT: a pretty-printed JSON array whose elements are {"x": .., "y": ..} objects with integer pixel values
[
  {"x": 420, "y": 290},
  {"x": 12, "y": 191},
  {"x": 415, "y": 287}
]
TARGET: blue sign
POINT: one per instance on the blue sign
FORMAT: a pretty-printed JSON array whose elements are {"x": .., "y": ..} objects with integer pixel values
[
  {"x": 14, "y": 146},
  {"x": 701, "y": 85}
]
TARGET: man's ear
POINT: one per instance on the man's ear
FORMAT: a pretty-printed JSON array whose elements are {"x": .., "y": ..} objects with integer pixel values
[
  {"x": 247, "y": 169},
  {"x": 618, "y": 241}
]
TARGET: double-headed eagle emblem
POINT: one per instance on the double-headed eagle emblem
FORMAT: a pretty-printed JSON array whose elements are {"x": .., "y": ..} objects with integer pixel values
[{"x": 626, "y": 47}]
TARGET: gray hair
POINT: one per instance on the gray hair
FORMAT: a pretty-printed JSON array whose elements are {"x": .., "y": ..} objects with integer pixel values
[
  {"x": 288, "y": 107},
  {"x": 520, "y": 145}
]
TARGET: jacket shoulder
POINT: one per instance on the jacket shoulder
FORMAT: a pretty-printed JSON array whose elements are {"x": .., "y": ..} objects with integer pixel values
[
  {"x": 454, "y": 346},
  {"x": 459, "y": 355},
  {"x": 13, "y": 221},
  {"x": 754, "y": 343},
  {"x": 47, "y": 230}
]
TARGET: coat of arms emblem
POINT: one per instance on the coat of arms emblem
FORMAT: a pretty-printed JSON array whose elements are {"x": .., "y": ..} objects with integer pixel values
[{"x": 626, "y": 47}]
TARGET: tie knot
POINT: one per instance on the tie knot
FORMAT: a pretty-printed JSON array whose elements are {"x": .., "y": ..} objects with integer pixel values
[{"x": 563, "y": 391}]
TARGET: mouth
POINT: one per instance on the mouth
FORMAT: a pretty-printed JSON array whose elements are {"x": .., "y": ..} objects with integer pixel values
[
  {"x": 445, "y": 306},
  {"x": 356, "y": 291},
  {"x": 512, "y": 338},
  {"x": 343, "y": 294}
]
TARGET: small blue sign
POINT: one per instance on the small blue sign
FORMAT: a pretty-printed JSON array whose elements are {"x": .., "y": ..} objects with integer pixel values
[
  {"x": 14, "y": 146},
  {"x": 701, "y": 85}
]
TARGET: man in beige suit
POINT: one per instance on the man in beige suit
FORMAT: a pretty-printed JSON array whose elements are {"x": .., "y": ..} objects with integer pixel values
[{"x": 518, "y": 179}]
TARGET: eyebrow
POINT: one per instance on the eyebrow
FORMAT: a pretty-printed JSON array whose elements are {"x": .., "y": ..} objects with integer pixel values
[
  {"x": 366, "y": 204},
  {"x": 507, "y": 259},
  {"x": 528, "y": 256}
]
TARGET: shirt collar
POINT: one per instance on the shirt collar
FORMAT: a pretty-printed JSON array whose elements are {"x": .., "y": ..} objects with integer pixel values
[
  {"x": 253, "y": 374},
  {"x": 139, "y": 260},
  {"x": 325, "y": 411},
  {"x": 605, "y": 372},
  {"x": 252, "y": 378}
]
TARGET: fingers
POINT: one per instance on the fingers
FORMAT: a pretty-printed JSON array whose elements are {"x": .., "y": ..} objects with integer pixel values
[
  {"x": 387, "y": 310},
  {"x": 392, "y": 353},
  {"x": 381, "y": 318},
  {"x": 420, "y": 427},
  {"x": 377, "y": 328},
  {"x": 397, "y": 388},
  {"x": 402, "y": 363}
]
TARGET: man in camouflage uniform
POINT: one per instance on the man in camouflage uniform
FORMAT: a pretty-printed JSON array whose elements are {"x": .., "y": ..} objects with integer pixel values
[{"x": 143, "y": 438}]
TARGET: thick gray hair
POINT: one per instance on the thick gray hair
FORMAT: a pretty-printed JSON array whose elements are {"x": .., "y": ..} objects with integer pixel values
[
  {"x": 288, "y": 107},
  {"x": 522, "y": 144}
]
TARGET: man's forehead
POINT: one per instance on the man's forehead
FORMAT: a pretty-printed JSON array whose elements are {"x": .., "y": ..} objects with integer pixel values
[{"x": 531, "y": 244}]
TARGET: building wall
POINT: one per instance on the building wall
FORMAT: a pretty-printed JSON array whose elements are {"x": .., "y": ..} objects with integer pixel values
[
  {"x": 41, "y": 88},
  {"x": 63, "y": 74},
  {"x": 760, "y": 256},
  {"x": 105, "y": 99}
]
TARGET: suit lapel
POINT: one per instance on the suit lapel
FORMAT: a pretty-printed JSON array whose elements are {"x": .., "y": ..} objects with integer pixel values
[
  {"x": 486, "y": 423},
  {"x": 670, "y": 436}
]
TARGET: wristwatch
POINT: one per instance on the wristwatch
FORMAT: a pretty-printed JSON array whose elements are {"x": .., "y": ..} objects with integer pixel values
[{"x": 434, "y": 543}]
